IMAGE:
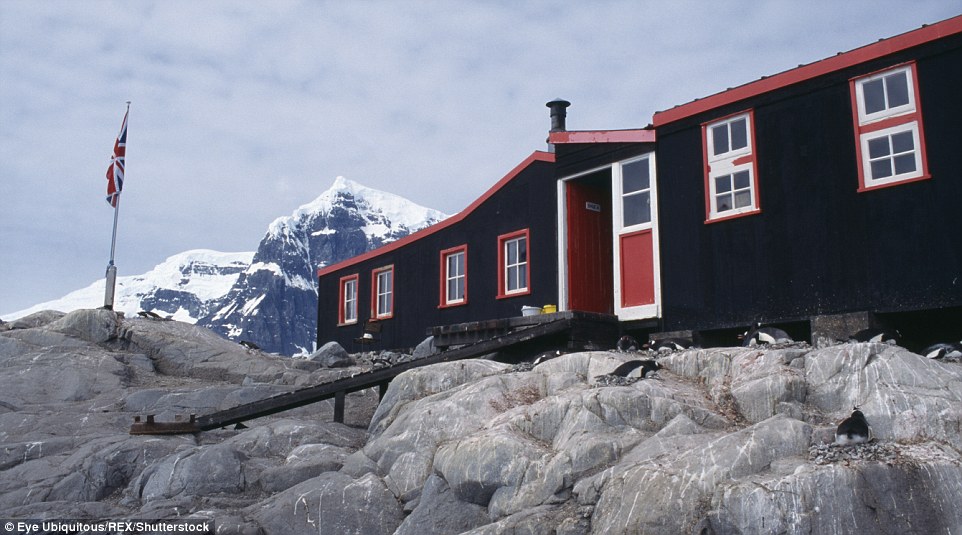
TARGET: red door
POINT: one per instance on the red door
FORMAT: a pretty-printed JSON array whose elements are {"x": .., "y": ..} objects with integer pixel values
[
  {"x": 589, "y": 242},
  {"x": 637, "y": 269}
]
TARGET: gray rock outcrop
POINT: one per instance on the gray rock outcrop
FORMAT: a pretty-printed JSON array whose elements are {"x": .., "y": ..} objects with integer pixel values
[
  {"x": 332, "y": 355},
  {"x": 723, "y": 441}
]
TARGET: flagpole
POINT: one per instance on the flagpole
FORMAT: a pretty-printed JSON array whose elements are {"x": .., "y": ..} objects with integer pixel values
[{"x": 111, "y": 267}]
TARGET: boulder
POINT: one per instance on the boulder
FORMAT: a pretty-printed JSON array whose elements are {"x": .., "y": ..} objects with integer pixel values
[
  {"x": 303, "y": 463},
  {"x": 440, "y": 512},
  {"x": 37, "y": 319},
  {"x": 854, "y": 497},
  {"x": 96, "y": 326},
  {"x": 330, "y": 503},
  {"x": 332, "y": 355},
  {"x": 670, "y": 494},
  {"x": 195, "y": 471},
  {"x": 425, "y": 349}
]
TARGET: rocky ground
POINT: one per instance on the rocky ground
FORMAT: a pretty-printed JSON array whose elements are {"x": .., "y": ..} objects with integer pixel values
[{"x": 725, "y": 440}]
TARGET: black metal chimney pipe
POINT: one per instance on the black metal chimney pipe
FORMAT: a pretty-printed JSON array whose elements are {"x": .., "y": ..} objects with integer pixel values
[{"x": 558, "y": 114}]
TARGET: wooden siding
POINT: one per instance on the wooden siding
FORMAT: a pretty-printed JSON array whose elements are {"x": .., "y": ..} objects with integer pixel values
[
  {"x": 819, "y": 246},
  {"x": 526, "y": 201}
]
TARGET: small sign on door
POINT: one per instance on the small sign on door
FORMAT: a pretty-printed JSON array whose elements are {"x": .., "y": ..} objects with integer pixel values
[{"x": 593, "y": 206}]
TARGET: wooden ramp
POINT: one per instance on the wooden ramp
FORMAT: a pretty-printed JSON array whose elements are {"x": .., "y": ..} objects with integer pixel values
[{"x": 379, "y": 378}]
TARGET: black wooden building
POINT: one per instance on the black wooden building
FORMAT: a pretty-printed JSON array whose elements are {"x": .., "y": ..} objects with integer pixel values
[
  {"x": 830, "y": 190},
  {"x": 452, "y": 272},
  {"x": 849, "y": 172}
]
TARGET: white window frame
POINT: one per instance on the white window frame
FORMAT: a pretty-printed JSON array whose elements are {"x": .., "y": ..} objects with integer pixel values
[
  {"x": 349, "y": 300},
  {"x": 461, "y": 254},
  {"x": 729, "y": 163},
  {"x": 511, "y": 274},
  {"x": 623, "y": 196},
  {"x": 731, "y": 153},
  {"x": 383, "y": 295},
  {"x": 910, "y": 107},
  {"x": 865, "y": 139},
  {"x": 886, "y": 123}
]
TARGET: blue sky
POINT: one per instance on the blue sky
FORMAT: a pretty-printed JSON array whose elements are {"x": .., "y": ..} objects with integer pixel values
[{"x": 243, "y": 110}]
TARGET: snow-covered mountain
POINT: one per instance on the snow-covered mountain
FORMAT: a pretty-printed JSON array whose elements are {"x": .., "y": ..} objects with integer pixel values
[
  {"x": 268, "y": 297},
  {"x": 274, "y": 302},
  {"x": 184, "y": 287}
]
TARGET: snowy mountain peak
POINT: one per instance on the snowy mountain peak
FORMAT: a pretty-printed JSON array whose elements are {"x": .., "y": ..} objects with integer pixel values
[
  {"x": 386, "y": 213},
  {"x": 202, "y": 275}
]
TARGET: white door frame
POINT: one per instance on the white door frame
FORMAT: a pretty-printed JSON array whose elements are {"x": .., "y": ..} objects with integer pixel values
[{"x": 618, "y": 230}]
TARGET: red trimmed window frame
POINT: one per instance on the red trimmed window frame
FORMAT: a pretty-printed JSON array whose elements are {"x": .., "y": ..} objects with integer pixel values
[
  {"x": 503, "y": 240},
  {"x": 342, "y": 318},
  {"x": 444, "y": 302},
  {"x": 738, "y": 161},
  {"x": 909, "y": 120},
  {"x": 376, "y": 313}
]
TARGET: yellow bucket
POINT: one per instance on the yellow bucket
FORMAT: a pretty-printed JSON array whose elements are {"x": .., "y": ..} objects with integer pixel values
[{"x": 549, "y": 309}]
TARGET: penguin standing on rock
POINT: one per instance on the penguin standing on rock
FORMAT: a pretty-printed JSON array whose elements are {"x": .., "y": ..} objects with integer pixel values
[
  {"x": 628, "y": 343},
  {"x": 852, "y": 430}
]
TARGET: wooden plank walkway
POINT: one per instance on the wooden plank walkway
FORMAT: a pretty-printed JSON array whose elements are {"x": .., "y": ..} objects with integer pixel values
[{"x": 379, "y": 378}]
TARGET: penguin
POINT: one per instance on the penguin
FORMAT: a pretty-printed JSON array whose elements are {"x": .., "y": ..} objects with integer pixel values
[
  {"x": 249, "y": 345},
  {"x": 764, "y": 335},
  {"x": 636, "y": 368},
  {"x": 670, "y": 344},
  {"x": 876, "y": 336},
  {"x": 950, "y": 351},
  {"x": 149, "y": 315},
  {"x": 628, "y": 343},
  {"x": 852, "y": 430}
]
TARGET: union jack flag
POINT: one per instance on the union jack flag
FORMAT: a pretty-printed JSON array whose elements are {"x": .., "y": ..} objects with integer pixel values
[{"x": 115, "y": 172}]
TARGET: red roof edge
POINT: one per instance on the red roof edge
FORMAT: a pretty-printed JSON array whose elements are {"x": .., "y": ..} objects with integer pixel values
[
  {"x": 643, "y": 135},
  {"x": 840, "y": 61},
  {"x": 536, "y": 156}
]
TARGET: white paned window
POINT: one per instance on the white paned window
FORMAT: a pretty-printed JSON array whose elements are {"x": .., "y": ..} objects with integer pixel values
[
  {"x": 455, "y": 277},
  {"x": 348, "y": 309},
  {"x": 636, "y": 192},
  {"x": 384, "y": 292},
  {"x": 889, "y": 128},
  {"x": 514, "y": 264},
  {"x": 729, "y": 155}
]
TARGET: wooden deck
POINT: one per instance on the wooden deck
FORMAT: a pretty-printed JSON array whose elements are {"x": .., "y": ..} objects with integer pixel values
[
  {"x": 586, "y": 329},
  {"x": 514, "y": 331}
]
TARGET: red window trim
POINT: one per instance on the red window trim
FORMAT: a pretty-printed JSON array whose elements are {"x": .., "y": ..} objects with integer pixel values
[
  {"x": 340, "y": 299},
  {"x": 443, "y": 286},
  {"x": 750, "y": 158},
  {"x": 502, "y": 294},
  {"x": 374, "y": 274},
  {"x": 888, "y": 122}
]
